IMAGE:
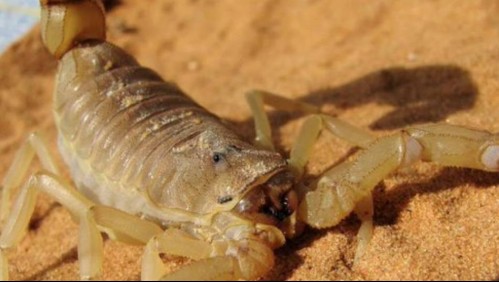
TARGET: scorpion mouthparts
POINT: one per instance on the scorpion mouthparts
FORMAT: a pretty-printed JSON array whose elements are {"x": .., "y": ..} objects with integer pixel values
[
  {"x": 282, "y": 200},
  {"x": 286, "y": 206},
  {"x": 272, "y": 201}
]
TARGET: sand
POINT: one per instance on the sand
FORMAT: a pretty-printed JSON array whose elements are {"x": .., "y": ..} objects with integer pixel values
[{"x": 382, "y": 65}]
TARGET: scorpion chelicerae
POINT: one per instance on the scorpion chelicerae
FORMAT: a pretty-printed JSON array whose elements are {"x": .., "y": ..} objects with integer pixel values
[{"x": 154, "y": 168}]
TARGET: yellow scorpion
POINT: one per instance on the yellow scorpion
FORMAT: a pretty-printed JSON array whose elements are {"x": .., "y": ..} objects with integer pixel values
[{"x": 152, "y": 167}]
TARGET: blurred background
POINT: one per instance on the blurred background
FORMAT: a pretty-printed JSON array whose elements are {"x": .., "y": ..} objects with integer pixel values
[{"x": 16, "y": 17}]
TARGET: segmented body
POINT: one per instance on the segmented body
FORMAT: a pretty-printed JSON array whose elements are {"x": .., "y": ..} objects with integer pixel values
[{"x": 130, "y": 137}]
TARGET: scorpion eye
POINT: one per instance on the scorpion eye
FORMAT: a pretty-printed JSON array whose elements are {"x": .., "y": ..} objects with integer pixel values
[
  {"x": 224, "y": 199},
  {"x": 217, "y": 157},
  {"x": 219, "y": 162}
]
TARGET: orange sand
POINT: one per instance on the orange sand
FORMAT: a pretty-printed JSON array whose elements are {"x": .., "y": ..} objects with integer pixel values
[{"x": 383, "y": 64}]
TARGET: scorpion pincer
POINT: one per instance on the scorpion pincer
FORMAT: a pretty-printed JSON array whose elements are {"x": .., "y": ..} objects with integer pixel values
[{"x": 154, "y": 168}]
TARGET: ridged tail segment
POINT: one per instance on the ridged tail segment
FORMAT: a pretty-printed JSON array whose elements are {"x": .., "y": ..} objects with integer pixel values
[
  {"x": 122, "y": 118},
  {"x": 66, "y": 23}
]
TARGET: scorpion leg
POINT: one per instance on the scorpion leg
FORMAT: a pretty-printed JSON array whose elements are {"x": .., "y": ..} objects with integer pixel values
[
  {"x": 124, "y": 227},
  {"x": 302, "y": 148},
  {"x": 172, "y": 242},
  {"x": 257, "y": 99},
  {"x": 90, "y": 246},
  {"x": 222, "y": 268},
  {"x": 92, "y": 218},
  {"x": 245, "y": 259},
  {"x": 34, "y": 145},
  {"x": 364, "y": 210},
  {"x": 217, "y": 260}
]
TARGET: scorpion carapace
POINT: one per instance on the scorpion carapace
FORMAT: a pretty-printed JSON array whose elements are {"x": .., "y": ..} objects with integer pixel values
[
  {"x": 182, "y": 156},
  {"x": 152, "y": 167}
]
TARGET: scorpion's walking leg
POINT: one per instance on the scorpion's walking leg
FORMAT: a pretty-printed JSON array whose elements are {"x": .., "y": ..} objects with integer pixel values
[
  {"x": 257, "y": 99},
  {"x": 177, "y": 242},
  {"x": 364, "y": 210},
  {"x": 302, "y": 148},
  {"x": 16, "y": 173},
  {"x": 217, "y": 260},
  {"x": 342, "y": 187},
  {"x": 34, "y": 145},
  {"x": 92, "y": 219},
  {"x": 90, "y": 245}
]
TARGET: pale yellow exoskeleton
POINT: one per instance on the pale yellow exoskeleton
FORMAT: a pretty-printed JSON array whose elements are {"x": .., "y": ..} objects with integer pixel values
[{"x": 152, "y": 167}]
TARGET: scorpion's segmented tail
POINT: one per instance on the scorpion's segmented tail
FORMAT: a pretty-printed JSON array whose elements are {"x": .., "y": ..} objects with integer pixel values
[{"x": 65, "y": 23}]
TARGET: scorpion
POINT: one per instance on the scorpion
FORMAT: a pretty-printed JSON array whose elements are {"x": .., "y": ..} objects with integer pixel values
[{"x": 154, "y": 168}]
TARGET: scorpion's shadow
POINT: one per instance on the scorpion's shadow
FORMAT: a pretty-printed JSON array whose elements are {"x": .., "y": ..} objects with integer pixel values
[{"x": 418, "y": 95}]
